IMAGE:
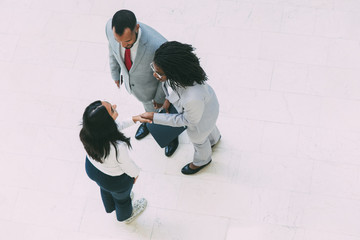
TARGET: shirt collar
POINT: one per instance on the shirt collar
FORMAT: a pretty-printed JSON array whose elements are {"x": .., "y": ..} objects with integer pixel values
[{"x": 138, "y": 39}]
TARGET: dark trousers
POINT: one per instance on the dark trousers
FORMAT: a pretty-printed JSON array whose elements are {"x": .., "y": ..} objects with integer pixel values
[{"x": 115, "y": 191}]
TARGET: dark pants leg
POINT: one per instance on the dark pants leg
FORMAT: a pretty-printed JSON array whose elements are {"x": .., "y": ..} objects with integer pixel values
[
  {"x": 115, "y": 191},
  {"x": 123, "y": 204},
  {"x": 108, "y": 200}
]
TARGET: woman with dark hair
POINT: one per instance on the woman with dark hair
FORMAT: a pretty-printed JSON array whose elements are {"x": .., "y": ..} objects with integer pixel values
[
  {"x": 176, "y": 65},
  {"x": 108, "y": 162}
]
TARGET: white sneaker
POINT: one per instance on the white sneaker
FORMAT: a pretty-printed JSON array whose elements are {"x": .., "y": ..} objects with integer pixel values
[{"x": 138, "y": 207}]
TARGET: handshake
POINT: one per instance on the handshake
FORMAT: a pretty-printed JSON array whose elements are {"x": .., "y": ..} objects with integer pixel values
[{"x": 147, "y": 117}]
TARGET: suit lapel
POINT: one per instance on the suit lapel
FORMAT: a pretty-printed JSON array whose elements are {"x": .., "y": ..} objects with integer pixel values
[
  {"x": 141, "y": 50},
  {"x": 121, "y": 61},
  {"x": 124, "y": 75},
  {"x": 116, "y": 45}
]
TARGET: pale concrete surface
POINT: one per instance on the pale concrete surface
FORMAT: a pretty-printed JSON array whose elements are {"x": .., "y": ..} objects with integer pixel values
[{"x": 286, "y": 72}]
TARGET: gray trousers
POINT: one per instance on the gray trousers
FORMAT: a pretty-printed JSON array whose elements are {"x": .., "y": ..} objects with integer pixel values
[{"x": 202, "y": 154}]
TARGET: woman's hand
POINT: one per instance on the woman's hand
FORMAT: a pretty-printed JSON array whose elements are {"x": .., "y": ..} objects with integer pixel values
[
  {"x": 135, "y": 179},
  {"x": 166, "y": 105},
  {"x": 138, "y": 118},
  {"x": 148, "y": 115}
]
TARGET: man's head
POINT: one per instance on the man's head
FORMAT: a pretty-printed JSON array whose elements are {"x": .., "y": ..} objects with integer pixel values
[{"x": 125, "y": 28}]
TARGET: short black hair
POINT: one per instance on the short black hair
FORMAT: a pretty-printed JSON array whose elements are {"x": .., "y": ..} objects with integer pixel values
[
  {"x": 180, "y": 64},
  {"x": 123, "y": 19}
]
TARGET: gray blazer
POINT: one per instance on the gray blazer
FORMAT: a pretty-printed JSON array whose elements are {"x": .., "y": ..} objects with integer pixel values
[
  {"x": 198, "y": 109},
  {"x": 139, "y": 81}
]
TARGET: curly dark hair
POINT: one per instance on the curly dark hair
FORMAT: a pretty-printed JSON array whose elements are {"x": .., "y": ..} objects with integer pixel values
[
  {"x": 99, "y": 130},
  {"x": 180, "y": 65}
]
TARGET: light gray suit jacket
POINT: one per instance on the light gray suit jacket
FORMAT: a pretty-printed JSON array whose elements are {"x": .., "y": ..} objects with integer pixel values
[
  {"x": 198, "y": 109},
  {"x": 139, "y": 81}
]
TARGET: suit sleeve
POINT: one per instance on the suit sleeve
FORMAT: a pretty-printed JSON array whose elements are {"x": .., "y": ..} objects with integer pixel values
[
  {"x": 159, "y": 95},
  {"x": 191, "y": 115},
  {"x": 114, "y": 66}
]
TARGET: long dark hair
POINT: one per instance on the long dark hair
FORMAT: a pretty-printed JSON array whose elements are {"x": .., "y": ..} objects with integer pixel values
[
  {"x": 99, "y": 130},
  {"x": 180, "y": 65}
]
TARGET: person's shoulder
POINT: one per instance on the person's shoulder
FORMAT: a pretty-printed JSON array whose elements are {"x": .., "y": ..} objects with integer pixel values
[
  {"x": 151, "y": 35},
  {"x": 195, "y": 92},
  {"x": 108, "y": 29},
  {"x": 109, "y": 23},
  {"x": 146, "y": 28},
  {"x": 195, "y": 88}
]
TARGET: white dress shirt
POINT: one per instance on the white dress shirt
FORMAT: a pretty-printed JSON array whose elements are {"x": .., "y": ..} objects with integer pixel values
[
  {"x": 123, "y": 163},
  {"x": 133, "y": 49}
]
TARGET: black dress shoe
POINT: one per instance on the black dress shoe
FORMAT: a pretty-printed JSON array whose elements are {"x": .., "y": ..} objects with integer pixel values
[
  {"x": 142, "y": 132},
  {"x": 188, "y": 171},
  {"x": 171, "y": 148}
]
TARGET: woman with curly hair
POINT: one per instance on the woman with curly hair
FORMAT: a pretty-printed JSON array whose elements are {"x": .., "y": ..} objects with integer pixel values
[{"x": 184, "y": 84}]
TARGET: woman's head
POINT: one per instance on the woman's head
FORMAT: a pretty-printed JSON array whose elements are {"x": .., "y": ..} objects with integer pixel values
[
  {"x": 177, "y": 63},
  {"x": 99, "y": 114},
  {"x": 99, "y": 129}
]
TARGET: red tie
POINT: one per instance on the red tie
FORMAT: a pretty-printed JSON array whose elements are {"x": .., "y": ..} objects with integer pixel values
[{"x": 127, "y": 59}]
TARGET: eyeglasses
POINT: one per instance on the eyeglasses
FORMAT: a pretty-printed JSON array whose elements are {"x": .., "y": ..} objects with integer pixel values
[{"x": 157, "y": 74}]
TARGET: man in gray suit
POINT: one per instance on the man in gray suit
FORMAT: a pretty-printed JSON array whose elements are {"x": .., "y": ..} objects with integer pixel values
[{"x": 132, "y": 47}]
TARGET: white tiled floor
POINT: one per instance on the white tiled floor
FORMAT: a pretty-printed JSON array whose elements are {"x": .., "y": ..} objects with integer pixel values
[{"x": 286, "y": 72}]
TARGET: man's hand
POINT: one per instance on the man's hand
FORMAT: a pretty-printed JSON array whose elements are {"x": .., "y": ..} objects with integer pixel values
[
  {"x": 166, "y": 105},
  {"x": 138, "y": 118},
  {"x": 118, "y": 82},
  {"x": 148, "y": 115},
  {"x": 156, "y": 105}
]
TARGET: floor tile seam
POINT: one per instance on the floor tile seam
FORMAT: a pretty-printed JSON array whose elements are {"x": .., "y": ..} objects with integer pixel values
[
  {"x": 182, "y": 211},
  {"x": 301, "y": 93},
  {"x": 308, "y": 35},
  {"x": 339, "y": 129}
]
